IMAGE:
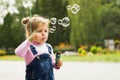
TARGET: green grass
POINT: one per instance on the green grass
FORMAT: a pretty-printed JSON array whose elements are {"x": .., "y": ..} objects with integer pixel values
[
  {"x": 98, "y": 58},
  {"x": 10, "y": 58}
]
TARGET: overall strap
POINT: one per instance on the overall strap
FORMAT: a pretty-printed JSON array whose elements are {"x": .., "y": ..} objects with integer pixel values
[
  {"x": 33, "y": 49},
  {"x": 49, "y": 48}
]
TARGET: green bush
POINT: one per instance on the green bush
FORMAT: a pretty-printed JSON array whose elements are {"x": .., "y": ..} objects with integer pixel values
[
  {"x": 95, "y": 49},
  {"x": 99, "y": 49},
  {"x": 79, "y": 50},
  {"x": 2, "y": 52},
  {"x": 82, "y": 51}
]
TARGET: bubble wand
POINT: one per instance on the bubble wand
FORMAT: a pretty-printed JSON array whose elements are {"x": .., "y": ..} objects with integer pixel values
[
  {"x": 30, "y": 21},
  {"x": 31, "y": 24},
  {"x": 58, "y": 55}
]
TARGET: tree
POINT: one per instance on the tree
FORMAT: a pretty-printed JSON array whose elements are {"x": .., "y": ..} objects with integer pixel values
[
  {"x": 93, "y": 23},
  {"x": 12, "y": 34},
  {"x": 110, "y": 20},
  {"x": 86, "y": 23}
]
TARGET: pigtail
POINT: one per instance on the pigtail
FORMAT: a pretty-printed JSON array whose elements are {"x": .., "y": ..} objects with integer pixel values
[{"x": 25, "y": 21}]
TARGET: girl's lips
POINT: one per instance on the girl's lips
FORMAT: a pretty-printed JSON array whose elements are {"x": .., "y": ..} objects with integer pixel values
[{"x": 43, "y": 38}]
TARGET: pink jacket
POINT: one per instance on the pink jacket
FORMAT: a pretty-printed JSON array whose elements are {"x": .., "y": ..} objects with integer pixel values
[{"x": 23, "y": 50}]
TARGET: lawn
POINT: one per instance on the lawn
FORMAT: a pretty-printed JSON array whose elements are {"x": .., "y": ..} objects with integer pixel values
[
  {"x": 98, "y": 58},
  {"x": 92, "y": 58},
  {"x": 10, "y": 58}
]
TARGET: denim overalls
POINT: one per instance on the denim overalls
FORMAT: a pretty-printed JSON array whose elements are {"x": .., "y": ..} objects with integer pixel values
[{"x": 41, "y": 67}]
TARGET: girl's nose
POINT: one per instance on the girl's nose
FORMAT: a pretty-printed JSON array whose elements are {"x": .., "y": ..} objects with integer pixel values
[{"x": 43, "y": 33}]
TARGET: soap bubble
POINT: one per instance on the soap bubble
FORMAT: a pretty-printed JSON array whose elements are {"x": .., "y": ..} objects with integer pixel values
[
  {"x": 74, "y": 9},
  {"x": 52, "y": 29},
  {"x": 76, "y": 6},
  {"x": 60, "y": 21},
  {"x": 65, "y": 22},
  {"x": 53, "y": 21},
  {"x": 69, "y": 7}
]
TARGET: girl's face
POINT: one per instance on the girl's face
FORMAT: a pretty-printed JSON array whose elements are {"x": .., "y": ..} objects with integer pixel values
[{"x": 41, "y": 34}]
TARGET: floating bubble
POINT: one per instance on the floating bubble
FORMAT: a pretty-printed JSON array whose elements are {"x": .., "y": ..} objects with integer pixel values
[
  {"x": 65, "y": 22},
  {"x": 60, "y": 21},
  {"x": 74, "y": 9},
  {"x": 53, "y": 21},
  {"x": 52, "y": 29},
  {"x": 76, "y": 6},
  {"x": 69, "y": 7}
]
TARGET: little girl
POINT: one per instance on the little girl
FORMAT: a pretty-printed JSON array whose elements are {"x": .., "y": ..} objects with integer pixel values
[{"x": 38, "y": 54}]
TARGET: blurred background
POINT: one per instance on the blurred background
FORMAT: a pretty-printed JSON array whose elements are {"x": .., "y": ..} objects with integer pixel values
[{"x": 94, "y": 25}]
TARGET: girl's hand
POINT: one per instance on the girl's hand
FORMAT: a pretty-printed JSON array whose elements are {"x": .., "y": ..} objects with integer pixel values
[
  {"x": 32, "y": 36},
  {"x": 35, "y": 37},
  {"x": 59, "y": 63}
]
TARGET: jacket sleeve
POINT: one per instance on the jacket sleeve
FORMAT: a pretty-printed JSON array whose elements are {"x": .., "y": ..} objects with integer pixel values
[{"x": 22, "y": 49}]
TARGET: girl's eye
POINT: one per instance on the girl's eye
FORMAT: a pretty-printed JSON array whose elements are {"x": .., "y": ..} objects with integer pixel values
[
  {"x": 46, "y": 31},
  {"x": 39, "y": 31}
]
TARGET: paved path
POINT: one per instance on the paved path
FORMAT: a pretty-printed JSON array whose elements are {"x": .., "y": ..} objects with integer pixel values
[{"x": 14, "y": 70}]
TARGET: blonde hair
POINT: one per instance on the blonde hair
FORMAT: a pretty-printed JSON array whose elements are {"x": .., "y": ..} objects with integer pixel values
[{"x": 31, "y": 23}]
